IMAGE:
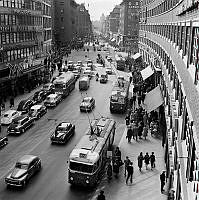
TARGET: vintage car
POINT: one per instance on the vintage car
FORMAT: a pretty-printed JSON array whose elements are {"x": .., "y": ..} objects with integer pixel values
[
  {"x": 63, "y": 132},
  {"x": 25, "y": 105},
  {"x": 109, "y": 70},
  {"x": 70, "y": 65},
  {"x": 103, "y": 78},
  {"x": 8, "y": 116},
  {"x": 88, "y": 73},
  {"x": 3, "y": 141},
  {"x": 20, "y": 125},
  {"x": 39, "y": 96},
  {"x": 49, "y": 88},
  {"x": 52, "y": 100},
  {"x": 37, "y": 111},
  {"x": 25, "y": 168},
  {"x": 76, "y": 73},
  {"x": 87, "y": 104}
]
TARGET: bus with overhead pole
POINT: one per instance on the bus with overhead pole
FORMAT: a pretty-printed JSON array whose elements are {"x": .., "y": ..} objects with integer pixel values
[
  {"x": 88, "y": 158},
  {"x": 64, "y": 83},
  {"x": 119, "y": 95}
]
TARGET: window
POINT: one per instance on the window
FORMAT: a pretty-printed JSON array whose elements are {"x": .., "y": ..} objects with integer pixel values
[{"x": 62, "y": 19}]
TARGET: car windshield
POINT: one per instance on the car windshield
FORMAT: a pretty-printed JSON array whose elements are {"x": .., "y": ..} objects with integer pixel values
[
  {"x": 21, "y": 166},
  {"x": 62, "y": 128},
  {"x": 49, "y": 98},
  {"x": 45, "y": 87},
  {"x": 15, "y": 122},
  {"x": 86, "y": 100},
  {"x": 6, "y": 115},
  {"x": 81, "y": 167}
]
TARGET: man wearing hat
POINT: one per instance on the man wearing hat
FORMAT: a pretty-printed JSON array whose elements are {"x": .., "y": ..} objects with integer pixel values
[{"x": 101, "y": 196}]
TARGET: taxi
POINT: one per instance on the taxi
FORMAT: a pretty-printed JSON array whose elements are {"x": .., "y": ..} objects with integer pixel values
[
  {"x": 52, "y": 100},
  {"x": 87, "y": 104},
  {"x": 37, "y": 111}
]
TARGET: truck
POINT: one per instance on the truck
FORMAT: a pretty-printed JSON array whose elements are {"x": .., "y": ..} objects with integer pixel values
[{"x": 120, "y": 62}]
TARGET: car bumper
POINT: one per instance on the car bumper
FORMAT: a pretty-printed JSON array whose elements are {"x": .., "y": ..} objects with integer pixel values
[
  {"x": 15, "y": 183},
  {"x": 57, "y": 141},
  {"x": 50, "y": 104},
  {"x": 84, "y": 109},
  {"x": 14, "y": 131}
]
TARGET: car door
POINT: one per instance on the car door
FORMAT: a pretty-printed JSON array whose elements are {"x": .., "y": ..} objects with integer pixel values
[
  {"x": 31, "y": 168},
  {"x": 70, "y": 131}
]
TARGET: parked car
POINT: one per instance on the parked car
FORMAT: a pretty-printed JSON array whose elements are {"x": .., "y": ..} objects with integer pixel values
[
  {"x": 84, "y": 83},
  {"x": 24, "y": 169},
  {"x": 103, "y": 78},
  {"x": 88, "y": 73},
  {"x": 3, "y": 141},
  {"x": 49, "y": 88},
  {"x": 76, "y": 73},
  {"x": 25, "y": 105},
  {"x": 20, "y": 125},
  {"x": 109, "y": 70},
  {"x": 52, "y": 100},
  {"x": 39, "y": 96},
  {"x": 70, "y": 65},
  {"x": 8, "y": 116},
  {"x": 37, "y": 111},
  {"x": 63, "y": 132},
  {"x": 87, "y": 104}
]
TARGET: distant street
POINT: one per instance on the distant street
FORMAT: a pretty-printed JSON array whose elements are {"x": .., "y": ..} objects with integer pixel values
[{"x": 51, "y": 183}]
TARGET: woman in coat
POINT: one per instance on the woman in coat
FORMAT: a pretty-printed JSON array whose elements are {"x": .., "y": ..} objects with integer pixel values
[{"x": 140, "y": 161}]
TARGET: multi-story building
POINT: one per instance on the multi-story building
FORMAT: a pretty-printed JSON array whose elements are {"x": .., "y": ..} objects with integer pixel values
[
  {"x": 62, "y": 22},
  {"x": 114, "y": 19},
  {"x": 25, "y": 39},
  {"x": 84, "y": 22},
  {"x": 169, "y": 42},
  {"x": 129, "y": 25}
]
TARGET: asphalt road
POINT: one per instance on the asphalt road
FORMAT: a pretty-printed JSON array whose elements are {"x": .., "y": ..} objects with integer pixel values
[{"x": 51, "y": 182}]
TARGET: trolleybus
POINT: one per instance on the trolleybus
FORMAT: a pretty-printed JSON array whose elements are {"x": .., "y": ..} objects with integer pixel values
[
  {"x": 88, "y": 158},
  {"x": 64, "y": 83}
]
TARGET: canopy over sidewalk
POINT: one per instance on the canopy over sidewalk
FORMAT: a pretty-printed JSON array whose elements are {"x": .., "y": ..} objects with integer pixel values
[
  {"x": 147, "y": 72},
  {"x": 153, "y": 99}
]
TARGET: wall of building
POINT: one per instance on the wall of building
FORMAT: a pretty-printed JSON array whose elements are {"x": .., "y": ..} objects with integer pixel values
[{"x": 169, "y": 34}]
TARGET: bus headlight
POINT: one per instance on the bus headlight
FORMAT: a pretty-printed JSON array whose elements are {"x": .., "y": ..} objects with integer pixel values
[
  {"x": 87, "y": 181},
  {"x": 71, "y": 178}
]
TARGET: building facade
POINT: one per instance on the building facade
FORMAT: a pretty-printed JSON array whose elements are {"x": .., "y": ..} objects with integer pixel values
[
  {"x": 25, "y": 40},
  {"x": 84, "y": 24},
  {"x": 114, "y": 19},
  {"x": 169, "y": 41},
  {"x": 129, "y": 25}
]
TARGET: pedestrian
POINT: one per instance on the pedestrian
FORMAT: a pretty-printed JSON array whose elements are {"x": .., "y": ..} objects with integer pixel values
[
  {"x": 145, "y": 132},
  {"x": 139, "y": 99},
  {"x": 11, "y": 102},
  {"x": 129, "y": 133},
  {"x": 109, "y": 171},
  {"x": 134, "y": 100},
  {"x": 140, "y": 129},
  {"x": 140, "y": 161},
  {"x": 145, "y": 119},
  {"x": 152, "y": 160},
  {"x": 135, "y": 131},
  {"x": 116, "y": 167},
  {"x": 162, "y": 181},
  {"x": 127, "y": 119},
  {"x": 130, "y": 173},
  {"x": 101, "y": 196},
  {"x": 126, "y": 164},
  {"x": 118, "y": 154},
  {"x": 146, "y": 160}
]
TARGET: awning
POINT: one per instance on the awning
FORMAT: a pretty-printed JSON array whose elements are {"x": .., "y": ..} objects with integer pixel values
[
  {"x": 147, "y": 72},
  {"x": 136, "y": 56},
  {"x": 153, "y": 99}
]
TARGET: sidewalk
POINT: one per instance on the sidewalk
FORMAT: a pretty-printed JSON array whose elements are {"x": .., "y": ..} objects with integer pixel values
[
  {"x": 146, "y": 184},
  {"x": 24, "y": 96}
]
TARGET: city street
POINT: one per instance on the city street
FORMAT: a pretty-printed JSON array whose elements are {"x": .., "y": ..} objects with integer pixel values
[{"x": 51, "y": 182}]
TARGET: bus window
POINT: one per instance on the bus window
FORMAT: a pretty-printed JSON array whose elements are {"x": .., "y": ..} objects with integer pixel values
[{"x": 81, "y": 167}]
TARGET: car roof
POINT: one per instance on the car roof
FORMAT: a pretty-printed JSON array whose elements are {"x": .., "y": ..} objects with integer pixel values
[
  {"x": 9, "y": 112},
  {"x": 87, "y": 98},
  {"x": 64, "y": 124},
  {"x": 52, "y": 95},
  {"x": 36, "y": 107},
  {"x": 26, "y": 159}
]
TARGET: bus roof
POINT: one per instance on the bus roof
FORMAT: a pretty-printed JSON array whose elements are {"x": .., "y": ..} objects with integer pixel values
[
  {"x": 89, "y": 147},
  {"x": 120, "y": 87},
  {"x": 64, "y": 78}
]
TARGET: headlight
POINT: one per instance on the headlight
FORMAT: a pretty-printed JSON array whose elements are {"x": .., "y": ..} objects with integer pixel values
[
  {"x": 71, "y": 178},
  {"x": 87, "y": 181}
]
